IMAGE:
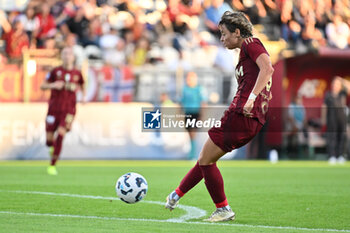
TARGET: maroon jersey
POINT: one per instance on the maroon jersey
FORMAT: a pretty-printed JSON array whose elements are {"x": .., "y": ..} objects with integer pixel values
[
  {"x": 64, "y": 100},
  {"x": 247, "y": 73}
]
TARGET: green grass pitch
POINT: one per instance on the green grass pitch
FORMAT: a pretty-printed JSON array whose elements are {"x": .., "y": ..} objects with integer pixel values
[{"x": 283, "y": 197}]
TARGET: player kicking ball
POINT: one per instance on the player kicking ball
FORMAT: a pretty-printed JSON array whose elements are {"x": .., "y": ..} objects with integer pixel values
[
  {"x": 241, "y": 121},
  {"x": 63, "y": 81}
]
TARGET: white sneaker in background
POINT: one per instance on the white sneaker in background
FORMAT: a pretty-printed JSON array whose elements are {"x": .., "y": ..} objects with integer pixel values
[
  {"x": 341, "y": 159},
  {"x": 332, "y": 160}
]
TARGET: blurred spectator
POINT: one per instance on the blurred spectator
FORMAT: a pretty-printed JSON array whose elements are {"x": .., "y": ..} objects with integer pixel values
[
  {"x": 213, "y": 15},
  {"x": 62, "y": 10},
  {"x": 16, "y": 41},
  {"x": 181, "y": 13},
  {"x": 58, "y": 8},
  {"x": 128, "y": 37},
  {"x": 165, "y": 100},
  {"x": 254, "y": 9},
  {"x": 311, "y": 35},
  {"x": 322, "y": 12},
  {"x": 116, "y": 56},
  {"x": 94, "y": 32},
  {"x": 47, "y": 25},
  {"x": 204, "y": 55},
  {"x": 101, "y": 23},
  {"x": 183, "y": 7},
  {"x": 225, "y": 59},
  {"x": 3, "y": 61},
  {"x": 334, "y": 117},
  {"x": 78, "y": 50},
  {"x": 89, "y": 7},
  {"x": 139, "y": 56},
  {"x": 290, "y": 27},
  {"x": 4, "y": 23},
  {"x": 272, "y": 20},
  {"x": 181, "y": 63},
  {"x": 11, "y": 16},
  {"x": 109, "y": 39},
  {"x": 50, "y": 43},
  {"x": 79, "y": 25},
  {"x": 164, "y": 25},
  {"x": 297, "y": 128},
  {"x": 338, "y": 33},
  {"x": 30, "y": 22}
]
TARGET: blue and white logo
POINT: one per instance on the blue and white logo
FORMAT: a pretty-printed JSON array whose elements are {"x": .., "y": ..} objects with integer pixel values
[{"x": 151, "y": 120}]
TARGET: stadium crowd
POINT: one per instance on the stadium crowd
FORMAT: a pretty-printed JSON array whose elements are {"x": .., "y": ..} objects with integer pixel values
[{"x": 171, "y": 32}]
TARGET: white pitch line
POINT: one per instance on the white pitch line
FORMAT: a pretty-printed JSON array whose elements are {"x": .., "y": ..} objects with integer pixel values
[
  {"x": 165, "y": 221},
  {"x": 191, "y": 211}
]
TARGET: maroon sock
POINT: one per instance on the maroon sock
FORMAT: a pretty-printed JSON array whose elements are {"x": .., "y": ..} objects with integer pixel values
[
  {"x": 191, "y": 179},
  {"x": 49, "y": 143},
  {"x": 57, "y": 149},
  {"x": 215, "y": 184}
]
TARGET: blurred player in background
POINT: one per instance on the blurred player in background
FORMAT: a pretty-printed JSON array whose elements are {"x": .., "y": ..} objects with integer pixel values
[
  {"x": 241, "y": 121},
  {"x": 192, "y": 100},
  {"x": 334, "y": 117},
  {"x": 63, "y": 81}
]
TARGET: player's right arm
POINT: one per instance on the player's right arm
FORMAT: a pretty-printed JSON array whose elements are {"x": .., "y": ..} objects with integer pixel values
[
  {"x": 57, "y": 85},
  {"x": 50, "y": 82}
]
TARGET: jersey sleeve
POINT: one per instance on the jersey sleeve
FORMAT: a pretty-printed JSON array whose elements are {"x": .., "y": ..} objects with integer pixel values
[
  {"x": 81, "y": 79},
  {"x": 254, "y": 48},
  {"x": 51, "y": 76}
]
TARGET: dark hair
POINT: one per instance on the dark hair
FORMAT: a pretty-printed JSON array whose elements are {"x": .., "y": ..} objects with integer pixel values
[{"x": 237, "y": 19}]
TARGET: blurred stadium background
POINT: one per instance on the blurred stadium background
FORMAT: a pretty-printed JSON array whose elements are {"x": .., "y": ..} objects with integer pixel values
[{"x": 131, "y": 52}]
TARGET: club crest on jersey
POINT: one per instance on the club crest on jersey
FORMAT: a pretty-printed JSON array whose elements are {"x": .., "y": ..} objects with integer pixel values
[
  {"x": 75, "y": 77},
  {"x": 67, "y": 77},
  {"x": 151, "y": 119},
  {"x": 59, "y": 73}
]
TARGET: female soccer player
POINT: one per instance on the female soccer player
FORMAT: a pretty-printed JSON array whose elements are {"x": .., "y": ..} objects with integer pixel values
[
  {"x": 63, "y": 81},
  {"x": 241, "y": 121}
]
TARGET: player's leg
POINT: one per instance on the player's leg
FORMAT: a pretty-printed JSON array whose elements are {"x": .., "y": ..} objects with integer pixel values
[
  {"x": 52, "y": 121},
  {"x": 236, "y": 131},
  {"x": 49, "y": 141},
  {"x": 191, "y": 179},
  {"x": 214, "y": 181},
  {"x": 210, "y": 153},
  {"x": 51, "y": 126},
  {"x": 65, "y": 126},
  {"x": 331, "y": 138},
  {"x": 195, "y": 175},
  {"x": 68, "y": 122},
  {"x": 61, "y": 132},
  {"x": 341, "y": 143},
  {"x": 65, "y": 122}
]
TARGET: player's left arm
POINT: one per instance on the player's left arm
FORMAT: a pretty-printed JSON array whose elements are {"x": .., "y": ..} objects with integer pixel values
[
  {"x": 265, "y": 73},
  {"x": 83, "y": 92},
  {"x": 266, "y": 70},
  {"x": 82, "y": 89}
]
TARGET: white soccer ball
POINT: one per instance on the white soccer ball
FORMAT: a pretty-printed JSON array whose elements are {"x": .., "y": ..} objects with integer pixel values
[{"x": 131, "y": 187}]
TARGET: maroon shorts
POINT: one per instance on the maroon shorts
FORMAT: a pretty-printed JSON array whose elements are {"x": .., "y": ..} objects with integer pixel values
[
  {"x": 236, "y": 130},
  {"x": 56, "y": 119}
]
